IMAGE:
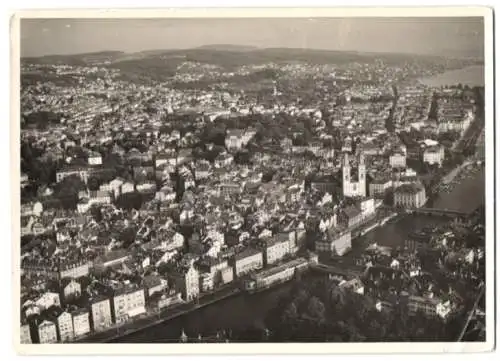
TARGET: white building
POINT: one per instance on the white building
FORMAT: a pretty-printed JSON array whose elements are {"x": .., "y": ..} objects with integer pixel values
[
  {"x": 336, "y": 243},
  {"x": 129, "y": 301},
  {"x": 47, "y": 332},
  {"x": 354, "y": 185},
  {"x": 81, "y": 322},
  {"x": 25, "y": 334},
  {"x": 187, "y": 282},
  {"x": 65, "y": 327},
  {"x": 410, "y": 196},
  {"x": 434, "y": 155},
  {"x": 248, "y": 260},
  {"x": 397, "y": 160}
]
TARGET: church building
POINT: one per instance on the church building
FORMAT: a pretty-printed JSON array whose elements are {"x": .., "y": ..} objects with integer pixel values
[{"x": 354, "y": 183}]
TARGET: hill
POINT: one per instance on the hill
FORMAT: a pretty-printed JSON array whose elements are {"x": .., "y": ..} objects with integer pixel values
[{"x": 227, "y": 47}]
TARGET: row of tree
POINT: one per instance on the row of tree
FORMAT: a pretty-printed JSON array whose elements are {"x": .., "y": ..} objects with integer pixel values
[{"x": 322, "y": 311}]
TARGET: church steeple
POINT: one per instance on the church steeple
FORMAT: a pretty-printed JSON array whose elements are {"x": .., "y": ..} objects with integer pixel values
[{"x": 346, "y": 159}]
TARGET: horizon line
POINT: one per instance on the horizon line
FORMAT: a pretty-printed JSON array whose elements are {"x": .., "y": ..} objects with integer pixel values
[{"x": 252, "y": 48}]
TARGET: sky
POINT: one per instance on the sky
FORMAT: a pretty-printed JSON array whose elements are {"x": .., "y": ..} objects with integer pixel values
[{"x": 458, "y": 37}]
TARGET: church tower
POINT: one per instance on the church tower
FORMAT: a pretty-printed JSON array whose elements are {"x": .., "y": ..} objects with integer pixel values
[
  {"x": 275, "y": 89},
  {"x": 361, "y": 176},
  {"x": 346, "y": 176}
]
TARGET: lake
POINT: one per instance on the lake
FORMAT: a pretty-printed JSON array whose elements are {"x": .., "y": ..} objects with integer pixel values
[{"x": 471, "y": 75}]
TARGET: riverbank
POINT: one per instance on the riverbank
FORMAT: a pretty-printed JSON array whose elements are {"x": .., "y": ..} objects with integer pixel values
[{"x": 154, "y": 318}]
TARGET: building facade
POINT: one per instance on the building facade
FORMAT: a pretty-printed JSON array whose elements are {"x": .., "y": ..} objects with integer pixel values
[
  {"x": 25, "y": 334},
  {"x": 434, "y": 155},
  {"x": 65, "y": 327},
  {"x": 378, "y": 187},
  {"x": 128, "y": 302},
  {"x": 410, "y": 196},
  {"x": 101, "y": 314},
  {"x": 81, "y": 322},
  {"x": 354, "y": 185},
  {"x": 276, "y": 249},
  {"x": 335, "y": 244},
  {"x": 47, "y": 332},
  {"x": 248, "y": 260},
  {"x": 187, "y": 282},
  {"x": 397, "y": 160}
]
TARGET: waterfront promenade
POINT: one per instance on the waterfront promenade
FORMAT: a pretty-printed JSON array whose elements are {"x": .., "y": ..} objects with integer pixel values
[{"x": 153, "y": 318}]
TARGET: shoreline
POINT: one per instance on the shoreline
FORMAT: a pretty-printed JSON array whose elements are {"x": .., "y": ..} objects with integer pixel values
[
  {"x": 141, "y": 324},
  {"x": 464, "y": 75},
  {"x": 219, "y": 295}
]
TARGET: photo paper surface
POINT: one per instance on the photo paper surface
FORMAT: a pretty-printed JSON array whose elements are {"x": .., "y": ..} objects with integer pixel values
[{"x": 310, "y": 180}]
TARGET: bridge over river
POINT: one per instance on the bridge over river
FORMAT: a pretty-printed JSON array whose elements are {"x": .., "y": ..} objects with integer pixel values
[
  {"x": 429, "y": 211},
  {"x": 437, "y": 212}
]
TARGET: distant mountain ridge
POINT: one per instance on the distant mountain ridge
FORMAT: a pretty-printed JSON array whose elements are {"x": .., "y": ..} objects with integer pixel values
[
  {"x": 208, "y": 49},
  {"x": 227, "y": 47},
  {"x": 163, "y": 63}
]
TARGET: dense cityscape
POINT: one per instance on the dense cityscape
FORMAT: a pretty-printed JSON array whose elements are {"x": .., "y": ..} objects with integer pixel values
[{"x": 160, "y": 184}]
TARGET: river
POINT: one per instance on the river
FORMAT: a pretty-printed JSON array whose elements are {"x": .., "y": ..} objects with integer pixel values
[
  {"x": 471, "y": 75},
  {"x": 246, "y": 310}
]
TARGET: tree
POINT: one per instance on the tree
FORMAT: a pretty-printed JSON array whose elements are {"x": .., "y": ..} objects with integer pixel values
[
  {"x": 96, "y": 213},
  {"x": 316, "y": 309},
  {"x": 290, "y": 314},
  {"x": 130, "y": 201}
]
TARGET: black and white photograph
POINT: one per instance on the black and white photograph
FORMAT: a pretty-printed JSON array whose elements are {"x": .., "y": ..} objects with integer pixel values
[{"x": 265, "y": 179}]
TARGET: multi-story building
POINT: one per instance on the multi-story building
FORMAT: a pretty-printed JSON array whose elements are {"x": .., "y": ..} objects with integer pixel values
[
  {"x": 187, "y": 281},
  {"x": 65, "y": 327},
  {"x": 164, "y": 300},
  {"x": 214, "y": 267},
  {"x": 153, "y": 284},
  {"x": 128, "y": 301},
  {"x": 47, "y": 300},
  {"x": 81, "y": 322},
  {"x": 113, "y": 187},
  {"x": 276, "y": 248},
  {"x": 379, "y": 186},
  {"x": 410, "y": 196},
  {"x": 397, "y": 160},
  {"x": 202, "y": 171},
  {"x": 431, "y": 307},
  {"x": 238, "y": 138},
  {"x": 81, "y": 172},
  {"x": 226, "y": 275},
  {"x": 94, "y": 158},
  {"x": 206, "y": 282},
  {"x": 25, "y": 334},
  {"x": 71, "y": 289},
  {"x": 248, "y": 260},
  {"x": 100, "y": 308},
  {"x": 351, "y": 216},
  {"x": 275, "y": 275},
  {"x": 47, "y": 332},
  {"x": 223, "y": 160},
  {"x": 127, "y": 187},
  {"x": 434, "y": 155},
  {"x": 229, "y": 188},
  {"x": 74, "y": 269},
  {"x": 109, "y": 259},
  {"x": 458, "y": 122},
  {"x": 334, "y": 243}
]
